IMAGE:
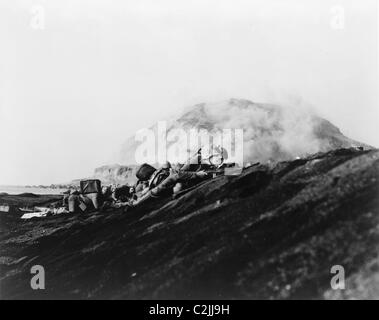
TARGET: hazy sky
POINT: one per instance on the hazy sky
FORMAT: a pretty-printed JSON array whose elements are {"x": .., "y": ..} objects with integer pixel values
[{"x": 74, "y": 86}]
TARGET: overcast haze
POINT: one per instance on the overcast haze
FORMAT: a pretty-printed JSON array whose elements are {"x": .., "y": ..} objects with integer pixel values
[{"x": 72, "y": 92}]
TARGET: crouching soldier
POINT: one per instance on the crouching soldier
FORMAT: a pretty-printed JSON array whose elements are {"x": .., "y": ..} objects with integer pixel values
[{"x": 166, "y": 187}]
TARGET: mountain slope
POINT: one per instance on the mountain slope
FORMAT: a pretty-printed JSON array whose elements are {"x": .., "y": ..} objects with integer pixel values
[{"x": 271, "y": 232}]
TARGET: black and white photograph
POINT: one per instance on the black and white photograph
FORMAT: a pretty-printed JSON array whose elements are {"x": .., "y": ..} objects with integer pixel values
[{"x": 203, "y": 151}]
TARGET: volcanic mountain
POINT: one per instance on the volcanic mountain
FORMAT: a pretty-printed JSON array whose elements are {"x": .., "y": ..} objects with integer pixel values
[{"x": 271, "y": 132}]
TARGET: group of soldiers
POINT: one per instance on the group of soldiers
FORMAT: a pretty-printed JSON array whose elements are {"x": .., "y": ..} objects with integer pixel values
[{"x": 165, "y": 181}]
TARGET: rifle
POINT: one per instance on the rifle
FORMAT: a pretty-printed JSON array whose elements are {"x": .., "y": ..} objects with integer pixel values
[{"x": 231, "y": 169}]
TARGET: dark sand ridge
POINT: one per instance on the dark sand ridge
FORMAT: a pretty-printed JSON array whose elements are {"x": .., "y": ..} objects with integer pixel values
[{"x": 271, "y": 232}]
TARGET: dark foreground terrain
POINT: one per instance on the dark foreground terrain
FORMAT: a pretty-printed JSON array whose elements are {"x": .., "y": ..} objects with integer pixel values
[
  {"x": 271, "y": 232},
  {"x": 28, "y": 199}
]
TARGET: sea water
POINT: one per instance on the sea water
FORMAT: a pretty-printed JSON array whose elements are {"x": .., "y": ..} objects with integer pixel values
[{"x": 35, "y": 190}]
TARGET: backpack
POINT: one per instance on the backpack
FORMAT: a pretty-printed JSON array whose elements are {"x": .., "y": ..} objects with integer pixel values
[
  {"x": 158, "y": 177},
  {"x": 90, "y": 186},
  {"x": 122, "y": 193}
]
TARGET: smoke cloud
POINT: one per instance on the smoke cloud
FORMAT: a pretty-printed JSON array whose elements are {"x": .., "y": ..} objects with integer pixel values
[{"x": 270, "y": 132}]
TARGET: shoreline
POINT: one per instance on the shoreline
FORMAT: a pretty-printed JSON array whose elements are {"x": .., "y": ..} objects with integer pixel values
[{"x": 33, "y": 190}]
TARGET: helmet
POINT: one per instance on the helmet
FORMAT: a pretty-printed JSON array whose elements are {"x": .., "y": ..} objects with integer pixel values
[{"x": 166, "y": 165}]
